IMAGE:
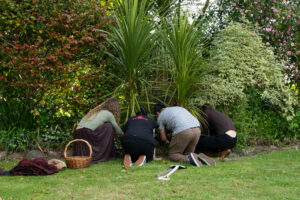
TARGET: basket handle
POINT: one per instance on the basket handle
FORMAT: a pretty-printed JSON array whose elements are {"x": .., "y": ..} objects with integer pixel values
[{"x": 78, "y": 140}]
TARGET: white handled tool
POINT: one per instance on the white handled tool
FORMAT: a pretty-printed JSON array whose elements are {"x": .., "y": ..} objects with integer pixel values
[{"x": 165, "y": 175}]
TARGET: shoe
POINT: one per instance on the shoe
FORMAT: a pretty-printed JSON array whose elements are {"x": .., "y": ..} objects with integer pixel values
[
  {"x": 225, "y": 153},
  {"x": 221, "y": 154},
  {"x": 141, "y": 161},
  {"x": 193, "y": 160},
  {"x": 127, "y": 160},
  {"x": 206, "y": 160}
]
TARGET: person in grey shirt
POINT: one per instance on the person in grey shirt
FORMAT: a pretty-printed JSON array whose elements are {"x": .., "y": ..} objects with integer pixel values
[{"x": 185, "y": 134}]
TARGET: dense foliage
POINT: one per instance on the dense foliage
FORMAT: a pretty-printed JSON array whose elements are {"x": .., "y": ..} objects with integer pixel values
[
  {"x": 181, "y": 47},
  {"x": 240, "y": 60},
  {"x": 58, "y": 59},
  {"x": 52, "y": 62},
  {"x": 245, "y": 81},
  {"x": 276, "y": 21},
  {"x": 258, "y": 122},
  {"x": 132, "y": 43}
]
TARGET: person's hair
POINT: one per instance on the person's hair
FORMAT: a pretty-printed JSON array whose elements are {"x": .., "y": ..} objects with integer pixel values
[
  {"x": 143, "y": 111},
  {"x": 207, "y": 106},
  {"x": 158, "y": 107},
  {"x": 111, "y": 105}
]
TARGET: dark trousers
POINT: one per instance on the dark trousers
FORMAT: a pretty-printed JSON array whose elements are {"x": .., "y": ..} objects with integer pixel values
[
  {"x": 136, "y": 147},
  {"x": 101, "y": 140},
  {"x": 215, "y": 143}
]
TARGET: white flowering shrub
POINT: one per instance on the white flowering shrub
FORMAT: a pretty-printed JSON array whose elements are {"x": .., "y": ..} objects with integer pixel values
[{"x": 239, "y": 59}]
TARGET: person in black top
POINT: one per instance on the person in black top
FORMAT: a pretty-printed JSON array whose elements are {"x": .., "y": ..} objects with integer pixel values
[
  {"x": 138, "y": 142},
  {"x": 219, "y": 133}
]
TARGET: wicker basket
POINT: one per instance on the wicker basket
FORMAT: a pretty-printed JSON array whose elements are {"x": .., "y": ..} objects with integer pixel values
[{"x": 76, "y": 162}]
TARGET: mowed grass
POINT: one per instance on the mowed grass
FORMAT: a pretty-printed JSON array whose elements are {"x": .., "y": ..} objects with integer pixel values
[{"x": 266, "y": 176}]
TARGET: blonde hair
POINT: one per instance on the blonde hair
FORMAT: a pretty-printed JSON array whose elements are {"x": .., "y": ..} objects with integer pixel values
[{"x": 111, "y": 105}]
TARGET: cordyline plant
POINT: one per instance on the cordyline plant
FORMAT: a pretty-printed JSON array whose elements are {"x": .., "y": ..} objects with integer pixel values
[
  {"x": 132, "y": 40},
  {"x": 182, "y": 41}
]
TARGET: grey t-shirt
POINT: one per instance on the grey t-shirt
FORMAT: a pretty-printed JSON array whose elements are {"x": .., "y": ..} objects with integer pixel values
[{"x": 176, "y": 119}]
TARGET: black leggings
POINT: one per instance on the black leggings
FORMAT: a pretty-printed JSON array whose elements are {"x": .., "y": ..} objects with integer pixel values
[
  {"x": 136, "y": 147},
  {"x": 215, "y": 143}
]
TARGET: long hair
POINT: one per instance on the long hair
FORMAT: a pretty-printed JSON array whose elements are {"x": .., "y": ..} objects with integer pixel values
[{"x": 111, "y": 105}]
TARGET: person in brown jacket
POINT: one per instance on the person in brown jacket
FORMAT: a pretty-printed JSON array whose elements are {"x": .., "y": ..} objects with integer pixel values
[{"x": 218, "y": 133}]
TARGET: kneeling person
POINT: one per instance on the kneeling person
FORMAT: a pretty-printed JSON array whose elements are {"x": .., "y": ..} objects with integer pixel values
[
  {"x": 185, "y": 134},
  {"x": 138, "y": 142},
  {"x": 220, "y": 131}
]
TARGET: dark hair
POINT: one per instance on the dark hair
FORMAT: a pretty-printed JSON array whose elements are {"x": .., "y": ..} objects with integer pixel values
[
  {"x": 207, "y": 106},
  {"x": 158, "y": 107},
  {"x": 143, "y": 111}
]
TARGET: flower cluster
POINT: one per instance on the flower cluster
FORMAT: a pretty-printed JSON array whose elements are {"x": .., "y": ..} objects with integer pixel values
[{"x": 277, "y": 23}]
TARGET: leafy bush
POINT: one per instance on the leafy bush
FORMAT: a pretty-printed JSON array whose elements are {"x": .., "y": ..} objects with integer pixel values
[
  {"x": 15, "y": 113},
  {"x": 257, "y": 121},
  {"x": 22, "y": 129},
  {"x": 53, "y": 49},
  {"x": 277, "y": 23},
  {"x": 242, "y": 121},
  {"x": 53, "y": 61},
  {"x": 17, "y": 139},
  {"x": 53, "y": 137},
  {"x": 240, "y": 60}
]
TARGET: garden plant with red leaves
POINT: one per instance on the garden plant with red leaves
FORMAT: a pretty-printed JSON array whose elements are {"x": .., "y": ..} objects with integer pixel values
[{"x": 52, "y": 57}]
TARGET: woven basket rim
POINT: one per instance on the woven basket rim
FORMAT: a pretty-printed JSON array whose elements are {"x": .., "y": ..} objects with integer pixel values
[{"x": 78, "y": 140}]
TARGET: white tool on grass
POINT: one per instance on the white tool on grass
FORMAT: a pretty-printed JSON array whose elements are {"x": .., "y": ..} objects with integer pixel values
[{"x": 165, "y": 175}]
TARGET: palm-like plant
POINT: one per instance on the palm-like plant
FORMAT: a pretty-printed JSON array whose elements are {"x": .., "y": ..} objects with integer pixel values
[
  {"x": 182, "y": 42},
  {"x": 132, "y": 40}
]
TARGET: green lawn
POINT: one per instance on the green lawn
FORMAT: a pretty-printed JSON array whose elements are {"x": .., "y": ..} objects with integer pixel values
[{"x": 266, "y": 176}]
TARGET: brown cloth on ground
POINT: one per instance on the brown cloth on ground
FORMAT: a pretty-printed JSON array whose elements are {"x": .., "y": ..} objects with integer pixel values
[
  {"x": 35, "y": 167},
  {"x": 101, "y": 140}
]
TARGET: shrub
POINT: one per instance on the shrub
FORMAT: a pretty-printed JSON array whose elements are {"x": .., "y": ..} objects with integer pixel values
[
  {"x": 52, "y": 59},
  {"x": 15, "y": 113},
  {"x": 240, "y": 60},
  {"x": 277, "y": 23},
  {"x": 53, "y": 49},
  {"x": 17, "y": 139},
  {"x": 257, "y": 121}
]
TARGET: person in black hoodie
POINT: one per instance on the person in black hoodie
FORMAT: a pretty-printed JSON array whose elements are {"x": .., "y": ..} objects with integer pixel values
[
  {"x": 138, "y": 142},
  {"x": 218, "y": 133}
]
